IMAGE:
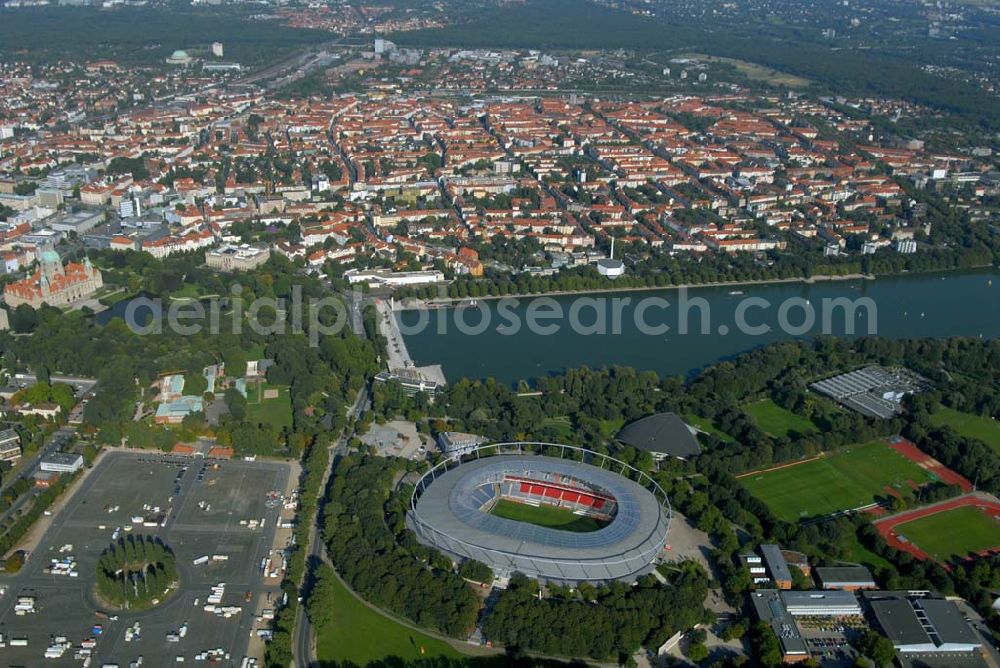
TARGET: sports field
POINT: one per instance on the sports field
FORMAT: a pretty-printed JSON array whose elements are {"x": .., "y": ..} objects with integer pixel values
[
  {"x": 776, "y": 420},
  {"x": 546, "y": 516},
  {"x": 971, "y": 426},
  {"x": 843, "y": 480},
  {"x": 361, "y": 635},
  {"x": 269, "y": 404},
  {"x": 959, "y": 531}
]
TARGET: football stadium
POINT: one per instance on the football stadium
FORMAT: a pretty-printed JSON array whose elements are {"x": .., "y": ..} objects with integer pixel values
[{"x": 571, "y": 515}]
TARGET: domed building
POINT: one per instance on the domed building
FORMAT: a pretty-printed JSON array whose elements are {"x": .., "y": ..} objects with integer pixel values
[
  {"x": 54, "y": 284},
  {"x": 179, "y": 57}
]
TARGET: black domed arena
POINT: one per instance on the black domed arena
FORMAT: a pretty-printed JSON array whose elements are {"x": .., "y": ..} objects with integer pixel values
[{"x": 571, "y": 515}]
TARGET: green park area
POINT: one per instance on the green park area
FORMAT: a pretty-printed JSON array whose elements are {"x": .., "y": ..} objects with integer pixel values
[
  {"x": 358, "y": 634},
  {"x": 546, "y": 516},
  {"x": 843, "y": 480},
  {"x": 269, "y": 404},
  {"x": 957, "y": 532},
  {"x": 970, "y": 426},
  {"x": 706, "y": 426},
  {"x": 776, "y": 420}
]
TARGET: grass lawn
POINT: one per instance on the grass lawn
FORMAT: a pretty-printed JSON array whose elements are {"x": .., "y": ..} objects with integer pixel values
[
  {"x": 970, "y": 426},
  {"x": 862, "y": 555},
  {"x": 843, "y": 480},
  {"x": 707, "y": 427},
  {"x": 277, "y": 412},
  {"x": 611, "y": 427},
  {"x": 546, "y": 516},
  {"x": 361, "y": 635},
  {"x": 561, "y": 425},
  {"x": 776, "y": 420},
  {"x": 256, "y": 352},
  {"x": 953, "y": 532}
]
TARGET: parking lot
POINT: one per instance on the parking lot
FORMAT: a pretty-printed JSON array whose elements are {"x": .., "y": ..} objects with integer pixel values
[{"x": 218, "y": 514}]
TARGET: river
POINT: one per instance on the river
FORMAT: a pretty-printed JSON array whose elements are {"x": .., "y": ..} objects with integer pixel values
[{"x": 723, "y": 321}]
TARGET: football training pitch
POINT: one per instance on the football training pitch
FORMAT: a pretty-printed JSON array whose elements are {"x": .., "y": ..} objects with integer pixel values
[
  {"x": 546, "y": 516},
  {"x": 843, "y": 480},
  {"x": 970, "y": 426},
  {"x": 956, "y": 532}
]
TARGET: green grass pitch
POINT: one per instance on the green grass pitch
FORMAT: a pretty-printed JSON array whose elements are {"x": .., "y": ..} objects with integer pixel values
[
  {"x": 546, "y": 516},
  {"x": 361, "y": 635},
  {"x": 776, "y": 420},
  {"x": 970, "y": 426},
  {"x": 843, "y": 480},
  {"x": 953, "y": 532}
]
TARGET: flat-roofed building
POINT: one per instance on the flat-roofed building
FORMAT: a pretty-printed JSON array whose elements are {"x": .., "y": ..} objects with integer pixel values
[
  {"x": 459, "y": 443},
  {"x": 821, "y": 603},
  {"x": 770, "y": 609},
  {"x": 848, "y": 578},
  {"x": 922, "y": 624},
  {"x": 61, "y": 462}
]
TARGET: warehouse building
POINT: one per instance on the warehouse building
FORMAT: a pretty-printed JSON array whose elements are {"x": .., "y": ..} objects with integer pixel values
[
  {"x": 848, "y": 578},
  {"x": 919, "y": 625}
]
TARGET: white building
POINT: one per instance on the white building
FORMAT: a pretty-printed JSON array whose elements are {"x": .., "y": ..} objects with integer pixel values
[{"x": 62, "y": 462}]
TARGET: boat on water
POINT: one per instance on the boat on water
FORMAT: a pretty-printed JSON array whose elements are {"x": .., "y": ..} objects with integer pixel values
[{"x": 735, "y": 292}]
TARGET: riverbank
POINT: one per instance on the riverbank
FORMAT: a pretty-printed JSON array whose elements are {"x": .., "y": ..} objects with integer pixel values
[
  {"x": 446, "y": 302},
  {"x": 676, "y": 337},
  {"x": 399, "y": 361}
]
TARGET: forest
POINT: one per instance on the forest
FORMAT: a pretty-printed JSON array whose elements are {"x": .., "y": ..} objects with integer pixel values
[{"x": 564, "y": 24}]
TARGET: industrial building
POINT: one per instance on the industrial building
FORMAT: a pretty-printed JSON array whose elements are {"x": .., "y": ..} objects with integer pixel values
[
  {"x": 847, "y": 578},
  {"x": 922, "y": 624},
  {"x": 874, "y": 391}
]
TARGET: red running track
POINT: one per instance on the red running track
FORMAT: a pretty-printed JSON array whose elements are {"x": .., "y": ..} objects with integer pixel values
[
  {"x": 887, "y": 526},
  {"x": 909, "y": 450}
]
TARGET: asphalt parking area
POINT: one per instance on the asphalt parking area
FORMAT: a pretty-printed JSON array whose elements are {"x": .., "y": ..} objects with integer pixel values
[{"x": 216, "y": 510}]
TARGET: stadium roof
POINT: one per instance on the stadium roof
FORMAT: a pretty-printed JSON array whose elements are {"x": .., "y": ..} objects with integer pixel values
[
  {"x": 448, "y": 517},
  {"x": 663, "y": 433}
]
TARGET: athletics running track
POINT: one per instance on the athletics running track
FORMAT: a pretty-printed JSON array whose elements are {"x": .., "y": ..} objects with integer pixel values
[{"x": 887, "y": 526}]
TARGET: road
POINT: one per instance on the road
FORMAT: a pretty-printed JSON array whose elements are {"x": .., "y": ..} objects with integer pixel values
[
  {"x": 302, "y": 640},
  {"x": 60, "y": 438},
  {"x": 302, "y": 643}
]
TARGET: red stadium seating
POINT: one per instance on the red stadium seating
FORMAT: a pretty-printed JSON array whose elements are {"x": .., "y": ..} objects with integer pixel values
[{"x": 562, "y": 491}]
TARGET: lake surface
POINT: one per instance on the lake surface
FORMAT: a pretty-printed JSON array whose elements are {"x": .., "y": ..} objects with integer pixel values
[{"x": 497, "y": 341}]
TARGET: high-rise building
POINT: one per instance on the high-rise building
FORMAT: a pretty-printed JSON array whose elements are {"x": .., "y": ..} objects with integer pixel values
[{"x": 217, "y": 49}]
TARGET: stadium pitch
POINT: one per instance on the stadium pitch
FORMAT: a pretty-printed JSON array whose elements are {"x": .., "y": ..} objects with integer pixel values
[{"x": 547, "y": 516}]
